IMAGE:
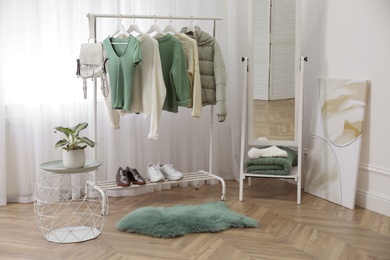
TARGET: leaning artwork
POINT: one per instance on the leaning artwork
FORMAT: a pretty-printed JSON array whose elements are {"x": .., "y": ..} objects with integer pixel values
[{"x": 335, "y": 140}]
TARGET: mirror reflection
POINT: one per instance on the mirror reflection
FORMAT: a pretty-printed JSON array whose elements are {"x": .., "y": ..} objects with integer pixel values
[
  {"x": 274, "y": 68},
  {"x": 274, "y": 119}
]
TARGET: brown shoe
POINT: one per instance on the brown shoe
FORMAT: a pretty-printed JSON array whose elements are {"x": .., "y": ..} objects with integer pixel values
[
  {"x": 121, "y": 178},
  {"x": 135, "y": 177}
]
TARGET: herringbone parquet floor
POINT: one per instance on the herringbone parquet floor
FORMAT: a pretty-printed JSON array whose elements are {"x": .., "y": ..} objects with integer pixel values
[{"x": 316, "y": 229}]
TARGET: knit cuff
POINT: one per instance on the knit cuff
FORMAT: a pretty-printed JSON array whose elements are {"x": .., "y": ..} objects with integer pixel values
[
  {"x": 184, "y": 103},
  {"x": 153, "y": 137},
  {"x": 221, "y": 118}
]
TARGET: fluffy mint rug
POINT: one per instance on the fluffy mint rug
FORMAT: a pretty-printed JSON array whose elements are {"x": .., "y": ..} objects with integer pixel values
[{"x": 168, "y": 222}]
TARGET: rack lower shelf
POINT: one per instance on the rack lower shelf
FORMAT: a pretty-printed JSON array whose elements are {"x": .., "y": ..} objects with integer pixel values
[
  {"x": 187, "y": 177},
  {"x": 291, "y": 175}
]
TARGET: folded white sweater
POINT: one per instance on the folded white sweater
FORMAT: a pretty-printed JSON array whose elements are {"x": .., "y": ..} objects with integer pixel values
[{"x": 272, "y": 151}]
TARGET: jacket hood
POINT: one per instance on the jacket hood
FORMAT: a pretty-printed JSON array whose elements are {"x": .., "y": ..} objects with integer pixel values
[{"x": 200, "y": 36}]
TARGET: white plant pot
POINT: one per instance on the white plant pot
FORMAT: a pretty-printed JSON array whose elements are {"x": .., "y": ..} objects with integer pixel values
[{"x": 74, "y": 158}]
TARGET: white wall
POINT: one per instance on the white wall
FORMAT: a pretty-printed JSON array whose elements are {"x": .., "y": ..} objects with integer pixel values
[{"x": 351, "y": 39}]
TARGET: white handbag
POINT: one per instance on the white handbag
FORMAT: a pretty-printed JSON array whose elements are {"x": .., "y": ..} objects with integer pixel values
[{"x": 91, "y": 65}]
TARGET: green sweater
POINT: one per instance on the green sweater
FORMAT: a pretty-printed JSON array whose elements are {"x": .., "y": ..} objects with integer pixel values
[
  {"x": 122, "y": 59},
  {"x": 174, "y": 68}
]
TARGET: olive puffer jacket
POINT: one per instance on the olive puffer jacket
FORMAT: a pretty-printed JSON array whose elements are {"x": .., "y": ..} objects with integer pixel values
[{"x": 212, "y": 70}]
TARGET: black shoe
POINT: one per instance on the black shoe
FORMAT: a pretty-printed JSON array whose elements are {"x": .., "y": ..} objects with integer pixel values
[
  {"x": 135, "y": 177},
  {"x": 121, "y": 178}
]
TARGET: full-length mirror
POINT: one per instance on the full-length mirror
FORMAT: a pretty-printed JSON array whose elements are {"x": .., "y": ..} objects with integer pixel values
[{"x": 273, "y": 77}]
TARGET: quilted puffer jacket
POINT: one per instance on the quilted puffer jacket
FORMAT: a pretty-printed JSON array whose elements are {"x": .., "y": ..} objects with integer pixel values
[{"x": 212, "y": 71}]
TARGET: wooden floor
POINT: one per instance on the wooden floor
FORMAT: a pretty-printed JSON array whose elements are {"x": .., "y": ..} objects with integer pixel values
[{"x": 316, "y": 229}]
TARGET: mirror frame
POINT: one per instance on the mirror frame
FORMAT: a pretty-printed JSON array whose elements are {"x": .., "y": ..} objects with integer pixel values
[{"x": 298, "y": 85}]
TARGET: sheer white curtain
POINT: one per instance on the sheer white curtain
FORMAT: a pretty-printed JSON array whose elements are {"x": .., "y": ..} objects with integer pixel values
[
  {"x": 3, "y": 179},
  {"x": 39, "y": 90}
]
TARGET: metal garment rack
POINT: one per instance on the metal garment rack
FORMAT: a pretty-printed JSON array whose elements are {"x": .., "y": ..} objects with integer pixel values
[{"x": 188, "y": 177}]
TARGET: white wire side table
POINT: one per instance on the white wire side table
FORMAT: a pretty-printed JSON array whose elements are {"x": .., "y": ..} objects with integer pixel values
[{"x": 69, "y": 207}]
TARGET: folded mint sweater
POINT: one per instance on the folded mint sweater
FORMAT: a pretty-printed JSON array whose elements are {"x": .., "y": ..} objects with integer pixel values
[{"x": 272, "y": 165}]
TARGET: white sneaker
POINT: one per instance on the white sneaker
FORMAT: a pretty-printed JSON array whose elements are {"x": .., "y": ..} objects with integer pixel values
[
  {"x": 170, "y": 173},
  {"x": 154, "y": 173}
]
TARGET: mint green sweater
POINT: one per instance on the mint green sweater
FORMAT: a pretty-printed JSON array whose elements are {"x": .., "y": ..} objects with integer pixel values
[
  {"x": 122, "y": 59},
  {"x": 174, "y": 68}
]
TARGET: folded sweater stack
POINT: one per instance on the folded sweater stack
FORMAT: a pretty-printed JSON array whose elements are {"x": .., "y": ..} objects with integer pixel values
[{"x": 272, "y": 160}]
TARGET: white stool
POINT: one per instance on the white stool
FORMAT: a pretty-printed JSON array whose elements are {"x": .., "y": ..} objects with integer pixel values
[{"x": 69, "y": 207}]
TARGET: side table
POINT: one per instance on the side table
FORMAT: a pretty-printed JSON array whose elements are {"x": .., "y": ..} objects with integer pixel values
[{"x": 69, "y": 206}]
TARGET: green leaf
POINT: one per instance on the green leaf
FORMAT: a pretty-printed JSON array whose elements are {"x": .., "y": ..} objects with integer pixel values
[
  {"x": 87, "y": 141},
  {"x": 61, "y": 143},
  {"x": 80, "y": 127},
  {"x": 64, "y": 130}
]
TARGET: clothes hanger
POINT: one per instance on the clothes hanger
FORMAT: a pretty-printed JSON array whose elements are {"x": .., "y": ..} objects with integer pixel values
[
  {"x": 119, "y": 29},
  {"x": 134, "y": 28},
  {"x": 171, "y": 28},
  {"x": 155, "y": 28},
  {"x": 191, "y": 27}
]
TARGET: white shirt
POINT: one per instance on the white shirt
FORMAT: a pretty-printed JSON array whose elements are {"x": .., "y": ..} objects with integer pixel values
[{"x": 148, "y": 86}]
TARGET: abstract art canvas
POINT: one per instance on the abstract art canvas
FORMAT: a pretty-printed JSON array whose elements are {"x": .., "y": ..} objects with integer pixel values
[{"x": 335, "y": 140}]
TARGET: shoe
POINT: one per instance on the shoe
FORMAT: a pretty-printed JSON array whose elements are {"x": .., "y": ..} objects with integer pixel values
[
  {"x": 170, "y": 173},
  {"x": 134, "y": 176},
  {"x": 121, "y": 178},
  {"x": 154, "y": 173}
]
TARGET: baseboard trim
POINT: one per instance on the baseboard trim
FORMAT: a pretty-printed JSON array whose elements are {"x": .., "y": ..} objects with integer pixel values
[{"x": 375, "y": 200}]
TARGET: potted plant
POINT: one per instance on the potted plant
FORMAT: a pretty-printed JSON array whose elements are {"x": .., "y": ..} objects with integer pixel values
[{"x": 73, "y": 145}]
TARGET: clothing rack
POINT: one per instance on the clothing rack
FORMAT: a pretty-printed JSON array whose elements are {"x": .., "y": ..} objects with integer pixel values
[{"x": 188, "y": 177}]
